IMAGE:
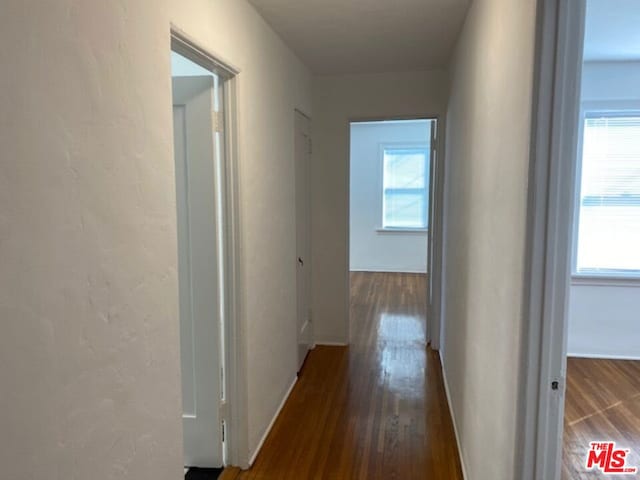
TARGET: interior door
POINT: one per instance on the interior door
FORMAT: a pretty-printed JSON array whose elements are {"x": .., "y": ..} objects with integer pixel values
[
  {"x": 198, "y": 269},
  {"x": 303, "y": 235},
  {"x": 433, "y": 277}
]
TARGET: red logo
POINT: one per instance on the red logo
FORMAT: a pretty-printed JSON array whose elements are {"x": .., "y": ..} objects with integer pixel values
[{"x": 609, "y": 459}]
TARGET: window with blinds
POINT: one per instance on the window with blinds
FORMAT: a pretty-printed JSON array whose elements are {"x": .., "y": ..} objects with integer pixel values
[
  {"x": 609, "y": 206},
  {"x": 405, "y": 184}
]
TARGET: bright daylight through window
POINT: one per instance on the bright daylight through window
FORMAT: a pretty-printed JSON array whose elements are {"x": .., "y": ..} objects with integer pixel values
[
  {"x": 405, "y": 185},
  {"x": 609, "y": 206}
]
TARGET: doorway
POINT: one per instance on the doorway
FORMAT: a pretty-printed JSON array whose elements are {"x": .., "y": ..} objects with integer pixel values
[
  {"x": 582, "y": 393},
  {"x": 203, "y": 119},
  {"x": 392, "y": 202},
  {"x": 603, "y": 338}
]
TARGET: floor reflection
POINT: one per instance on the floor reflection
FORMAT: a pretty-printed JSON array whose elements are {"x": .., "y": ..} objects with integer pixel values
[
  {"x": 374, "y": 410},
  {"x": 401, "y": 354}
]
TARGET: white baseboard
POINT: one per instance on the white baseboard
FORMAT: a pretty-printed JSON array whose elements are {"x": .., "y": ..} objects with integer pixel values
[
  {"x": 252, "y": 458},
  {"x": 603, "y": 356},
  {"x": 453, "y": 418},
  {"x": 388, "y": 270}
]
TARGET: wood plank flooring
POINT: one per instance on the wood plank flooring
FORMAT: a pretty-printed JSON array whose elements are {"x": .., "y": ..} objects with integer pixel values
[
  {"x": 602, "y": 403},
  {"x": 374, "y": 410}
]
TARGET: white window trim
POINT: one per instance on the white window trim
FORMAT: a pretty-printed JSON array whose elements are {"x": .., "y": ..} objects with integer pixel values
[
  {"x": 597, "y": 277},
  {"x": 607, "y": 280},
  {"x": 402, "y": 230},
  {"x": 382, "y": 146}
]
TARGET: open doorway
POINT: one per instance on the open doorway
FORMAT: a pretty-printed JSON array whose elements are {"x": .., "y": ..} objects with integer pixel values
[
  {"x": 582, "y": 408},
  {"x": 197, "y": 156},
  {"x": 390, "y": 214},
  {"x": 203, "y": 122},
  {"x": 603, "y": 338}
]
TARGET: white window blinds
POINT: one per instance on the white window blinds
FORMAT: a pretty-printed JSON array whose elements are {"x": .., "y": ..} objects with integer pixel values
[
  {"x": 609, "y": 215},
  {"x": 405, "y": 184}
]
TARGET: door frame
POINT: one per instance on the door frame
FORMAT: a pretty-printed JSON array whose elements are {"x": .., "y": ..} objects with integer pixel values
[
  {"x": 551, "y": 198},
  {"x": 233, "y": 411},
  {"x": 435, "y": 222}
]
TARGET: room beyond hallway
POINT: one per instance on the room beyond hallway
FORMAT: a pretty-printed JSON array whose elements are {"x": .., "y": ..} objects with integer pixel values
[
  {"x": 374, "y": 410},
  {"x": 602, "y": 403}
]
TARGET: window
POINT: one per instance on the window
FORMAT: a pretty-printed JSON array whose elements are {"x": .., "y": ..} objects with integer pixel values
[
  {"x": 405, "y": 184},
  {"x": 609, "y": 206}
]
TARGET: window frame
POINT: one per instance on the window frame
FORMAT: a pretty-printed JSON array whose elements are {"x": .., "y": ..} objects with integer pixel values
[
  {"x": 611, "y": 277},
  {"x": 382, "y": 148}
]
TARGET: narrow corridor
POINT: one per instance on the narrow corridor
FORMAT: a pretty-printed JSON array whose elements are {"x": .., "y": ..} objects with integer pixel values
[{"x": 374, "y": 410}]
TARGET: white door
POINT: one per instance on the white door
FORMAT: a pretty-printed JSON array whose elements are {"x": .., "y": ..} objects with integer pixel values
[
  {"x": 198, "y": 263},
  {"x": 433, "y": 289},
  {"x": 303, "y": 235}
]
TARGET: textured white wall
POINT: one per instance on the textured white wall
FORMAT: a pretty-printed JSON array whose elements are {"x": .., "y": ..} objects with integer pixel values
[
  {"x": 89, "y": 361},
  {"x": 372, "y": 250},
  {"x": 338, "y": 99},
  {"x": 487, "y": 159},
  {"x": 603, "y": 319}
]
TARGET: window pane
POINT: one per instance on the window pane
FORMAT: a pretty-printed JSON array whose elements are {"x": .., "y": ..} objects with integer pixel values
[
  {"x": 404, "y": 209},
  {"x": 405, "y": 182},
  {"x": 404, "y": 168},
  {"x": 609, "y": 225}
]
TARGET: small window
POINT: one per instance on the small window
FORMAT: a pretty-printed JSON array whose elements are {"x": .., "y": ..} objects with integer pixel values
[
  {"x": 609, "y": 205},
  {"x": 405, "y": 185}
]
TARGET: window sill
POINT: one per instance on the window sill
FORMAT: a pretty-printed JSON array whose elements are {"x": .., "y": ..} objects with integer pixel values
[
  {"x": 610, "y": 280},
  {"x": 402, "y": 230}
]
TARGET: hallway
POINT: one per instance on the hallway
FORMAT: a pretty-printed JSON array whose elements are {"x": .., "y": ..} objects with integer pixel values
[{"x": 374, "y": 410}]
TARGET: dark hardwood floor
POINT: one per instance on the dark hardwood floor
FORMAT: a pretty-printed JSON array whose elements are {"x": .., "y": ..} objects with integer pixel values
[
  {"x": 602, "y": 404},
  {"x": 374, "y": 410}
]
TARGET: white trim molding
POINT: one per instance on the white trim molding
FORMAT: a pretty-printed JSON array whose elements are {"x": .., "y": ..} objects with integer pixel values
[
  {"x": 423, "y": 231},
  {"x": 606, "y": 280},
  {"x": 556, "y": 105},
  {"x": 254, "y": 455},
  {"x": 453, "y": 419},
  {"x": 598, "y": 356},
  {"x": 388, "y": 270}
]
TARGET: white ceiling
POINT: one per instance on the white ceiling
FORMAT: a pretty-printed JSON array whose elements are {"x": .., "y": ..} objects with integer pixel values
[
  {"x": 612, "y": 30},
  {"x": 367, "y": 36}
]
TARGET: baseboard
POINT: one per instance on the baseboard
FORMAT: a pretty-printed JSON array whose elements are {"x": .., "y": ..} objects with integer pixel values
[
  {"x": 332, "y": 344},
  {"x": 252, "y": 458},
  {"x": 388, "y": 270},
  {"x": 453, "y": 418},
  {"x": 603, "y": 356}
]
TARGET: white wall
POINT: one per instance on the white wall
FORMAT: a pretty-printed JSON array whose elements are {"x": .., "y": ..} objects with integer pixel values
[
  {"x": 371, "y": 249},
  {"x": 89, "y": 361},
  {"x": 603, "y": 318},
  {"x": 604, "y": 321},
  {"x": 611, "y": 82},
  {"x": 338, "y": 99},
  {"x": 487, "y": 161}
]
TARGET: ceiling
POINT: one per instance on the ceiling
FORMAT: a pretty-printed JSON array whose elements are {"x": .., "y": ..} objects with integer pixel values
[
  {"x": 612, "y": 31},
  {"x": 367, "y": 36}
]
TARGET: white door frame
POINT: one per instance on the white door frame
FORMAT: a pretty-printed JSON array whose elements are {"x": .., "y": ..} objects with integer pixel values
[
  {"x": 233, "y": 410},
  {"x": 556, "y": 103}
]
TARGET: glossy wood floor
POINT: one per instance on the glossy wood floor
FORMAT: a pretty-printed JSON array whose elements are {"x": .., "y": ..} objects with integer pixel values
[
  {"x": 374, "y": 410},
  {"x": 602, "y": 403}
]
